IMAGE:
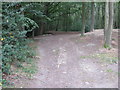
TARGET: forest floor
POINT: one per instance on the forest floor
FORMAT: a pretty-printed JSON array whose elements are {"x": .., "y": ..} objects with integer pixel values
[{"x": 70, "y": 61}]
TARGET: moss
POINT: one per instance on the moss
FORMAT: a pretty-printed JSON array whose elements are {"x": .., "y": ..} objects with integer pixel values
[{"x": 107, "y": 46}]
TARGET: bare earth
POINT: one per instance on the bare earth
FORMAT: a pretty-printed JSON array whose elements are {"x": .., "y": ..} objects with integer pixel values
[{"x": 71, "y": 61}]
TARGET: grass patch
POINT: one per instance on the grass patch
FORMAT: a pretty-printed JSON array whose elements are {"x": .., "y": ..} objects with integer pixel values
[
  {"x": 103, "y": 58},
  {"x": 29, "y": 69},
  {"x": 90, "y": 56},
  {"x": 107, "y": 58},
  {"x": 109, "y": 70}
]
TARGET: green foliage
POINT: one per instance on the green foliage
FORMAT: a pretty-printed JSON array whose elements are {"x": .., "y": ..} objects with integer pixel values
[
  {"x": 14, "y": 43},
  {"x": 64, "y": 16}
]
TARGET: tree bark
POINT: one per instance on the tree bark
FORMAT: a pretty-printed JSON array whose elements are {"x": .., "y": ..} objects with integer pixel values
[
  {"x": 92, "y": 16},
  {"x": 103, "y": 15},
  {"x": 33, "y": 34},
  {"x": 42, "y": 28},
  {"x": 110, "y": 26},
  {"x": 83, "y": 19},
  {"x": 57, "y": 25},
  {"x": 118, "y": 15},
  {"x": 106, "y": 19}
]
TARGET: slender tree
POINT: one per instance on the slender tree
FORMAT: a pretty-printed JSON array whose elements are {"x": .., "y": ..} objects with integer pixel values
[
  {"x": 118, "y": 15},
  {"x": 57, "y": 25},
  {"x": 42, "y": 28},
  {"x": 92, "y": 16},
  {"x": 110, "y": 26},
  {"x": 83, "y": 19},
  {"x": 106, "y": 19}
]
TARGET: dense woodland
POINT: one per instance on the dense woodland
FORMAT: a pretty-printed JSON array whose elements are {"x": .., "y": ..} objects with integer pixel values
[
  {"x": 28, "y": 19},
  {"x": 70, "y": 16}
]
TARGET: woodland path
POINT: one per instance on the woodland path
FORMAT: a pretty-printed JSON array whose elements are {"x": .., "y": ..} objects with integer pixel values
[{"x": 71, "y": 61}]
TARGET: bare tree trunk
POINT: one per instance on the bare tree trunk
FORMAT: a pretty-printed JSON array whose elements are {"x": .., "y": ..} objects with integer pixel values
[
  {"x": 57, "y": 25},
  {"x": 83, "y": 19},
  {"x": 42, "y": 28},
  {"x": 98, "y": 17},
  {"x": 33, "y": 34},
  {"x": 106, "y": 19},
  {"x": 103, "y": 15},
  {"x": 118, "y": 16},
  {"x": 92, "y": 16},
  {"x": 110, "y": 26}
]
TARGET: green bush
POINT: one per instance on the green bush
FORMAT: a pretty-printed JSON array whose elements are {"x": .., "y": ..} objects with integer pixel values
[{"x": 14, "y": 42}]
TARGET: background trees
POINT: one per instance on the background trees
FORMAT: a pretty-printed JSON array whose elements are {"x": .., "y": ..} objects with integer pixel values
[{"x": 62, "y": 16}]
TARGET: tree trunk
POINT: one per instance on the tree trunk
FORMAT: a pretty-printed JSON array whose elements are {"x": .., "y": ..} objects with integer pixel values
[
  {"x": 103, "y": 15},
  {"x": 46, "y": 13},
  {"x": 98, "y": 17},
  {"x": 118, "y": 15},
  {"x": 106, "y": 19},
  {"x": 42, "y": 28},
  {"x": 57, "y": 25},
  {"x": 44, "y": 25},
  {"x": 110, "y": 26},
  {"x": 92, "y": 16},
  {"x": 83, "y": 19},
  {"x": 33, "y": 34}
]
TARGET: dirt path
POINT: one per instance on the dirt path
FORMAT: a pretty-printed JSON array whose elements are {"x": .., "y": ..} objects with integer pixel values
[{"x": 71, "y": 61}]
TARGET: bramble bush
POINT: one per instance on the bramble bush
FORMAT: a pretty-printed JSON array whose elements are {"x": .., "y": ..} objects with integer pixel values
[{"x": 15, "y": 25}]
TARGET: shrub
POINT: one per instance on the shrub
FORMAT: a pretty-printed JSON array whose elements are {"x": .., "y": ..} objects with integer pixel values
[{"x": 14, "y": 43}]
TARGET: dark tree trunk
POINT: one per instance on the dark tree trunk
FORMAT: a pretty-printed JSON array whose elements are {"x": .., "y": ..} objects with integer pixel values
[
  {"x": 42, "y": 28},
  {"x": 118, "y": 15},
  {"x": 83, "y": 19},
  {"x": 33, "y": 34},
  {"x": 92, "y": 16},
  {"x": 103, "y": 15},
  {"x": 57, "y": 25}
]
